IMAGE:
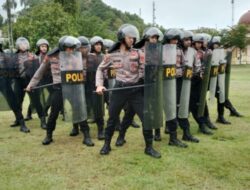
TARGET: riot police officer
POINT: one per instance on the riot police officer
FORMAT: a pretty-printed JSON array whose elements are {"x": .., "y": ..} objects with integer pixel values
[
  {"x": 27, "y": 63},
  {"x": 129, "y": 72},
  {"x": 84, "y": 49},
  {"x": 57, "y": 63}
]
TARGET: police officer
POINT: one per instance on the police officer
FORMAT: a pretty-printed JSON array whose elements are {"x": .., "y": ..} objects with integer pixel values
[
  {"x": 183, "y": 77},
  {"x": 196, "y": 84},
  {"x": 52, "y": 62},
  {"x": 215, "y": 44},
  {"x": 95, "y": 103},
  {"x": 129, "y": 72},
  {"x": 84, "y": 49},
  {"x": 206, "y": 42},
  {"x": 7, "y": 73},
  {"x": 27, "y": 63},
  {"x": 171, "y": 39},
  {"x": 42, "y": 46},
  {"x": 152, "y": 35}
]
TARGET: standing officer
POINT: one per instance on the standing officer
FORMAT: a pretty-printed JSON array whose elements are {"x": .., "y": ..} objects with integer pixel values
[
  {"x": 27, "y": 63},
  {"x": 129, "y": 72},
  {"x": 95, "y": 103},
  {"x": 56, "y": 61}
]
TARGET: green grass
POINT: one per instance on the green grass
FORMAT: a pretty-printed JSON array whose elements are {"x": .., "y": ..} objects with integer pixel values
[{"x": 221, "y": 161}]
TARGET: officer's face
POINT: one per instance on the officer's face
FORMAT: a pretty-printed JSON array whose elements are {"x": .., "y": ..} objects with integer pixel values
[
  {"x": 198, "y": 45},
  {"x": 69, "y": 50},
  {"x": 215, "y": 46},
  {"x": 129, "y": 41},
  {"x": 43, "y": 48},
  {"x": 23, "y": 47},
  {"x": 153, "y": 39},
  {"x": 173, "y": 41},
  {"x": 84, "y": 50},
  {"x": 187, "y": 42},
  {"x": 98, "y": 47}
]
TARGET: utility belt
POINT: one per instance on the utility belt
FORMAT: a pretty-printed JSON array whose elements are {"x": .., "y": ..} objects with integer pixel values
[
  {"x": 196, "y": 76},
  {"x": 125, "y": 84}
]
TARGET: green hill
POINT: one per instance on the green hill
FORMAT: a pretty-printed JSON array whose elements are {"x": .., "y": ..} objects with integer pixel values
[{"x": 53, "y": 19}]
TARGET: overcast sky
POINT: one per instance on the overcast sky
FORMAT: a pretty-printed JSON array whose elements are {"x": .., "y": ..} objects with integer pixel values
[{"x": 187, "y": 14}]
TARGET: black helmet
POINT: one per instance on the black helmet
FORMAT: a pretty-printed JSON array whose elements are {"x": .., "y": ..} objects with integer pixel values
[
  {"x": 207, "y": 37},
  {"x": 216, "y": 40},
  {"x": 96, "y": 39},
  {"x": 172, "y": 34},
  {"x": 198, "y": 38},
  {"x": 69, "y": 41},
  {"x": 42, "y": 41},
  {"x": 108, "y": 43},
  {"x": 152, "y": 31},
  {"x": 128, "y": 30},
  {"x": 84, "y": 41},
  {"x": 60, "y": 43},
  {"x": 21, "y": 41},
  {"x": 186, "y": 34}
]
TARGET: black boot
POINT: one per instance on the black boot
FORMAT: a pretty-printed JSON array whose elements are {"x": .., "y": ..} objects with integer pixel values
[
  {"x": 157, "y": 136},
  {"x": 222, "y": 120},
  {"x": 134, "y": 124},
  {"x": 28, "y": 117},
  {"x": 210, "y": 125},
  {"x": 48, "y": 139},
  {"x": 149, "y": 150},
  {"x": 43, "y": 123},
  {"x": 100, "y": 135},
  {"x": 29, "y": 114},
  {"x": 118, "y": 125},
  {"x": 233, "y": 111},
  {"x": 120, "y": 141},
  {"x": 23, "y": 127},
  {"x": 187, "y": 136},
  {"x": 203, "y": 129},
  {"x": 106, "y": 147},
  {"x": 86, "y": 136},
  {"x": 174, "y": 141},
  {"x": 166, "y": 128},
  {"x": 15, "y": 124},
  {"x": 75, "y": 130}
]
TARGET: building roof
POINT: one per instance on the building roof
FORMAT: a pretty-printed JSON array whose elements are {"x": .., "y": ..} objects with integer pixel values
[{"x": 245, "y": 18}]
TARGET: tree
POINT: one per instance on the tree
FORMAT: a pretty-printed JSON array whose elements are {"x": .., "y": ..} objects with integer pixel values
[
  {"x": 69, "y": 6},
  {"x": 47, "y": 21},
  {"x": 1, "y": 21},
  {"x": 8, "y": 5},
  {"x": 31, "y": 3},
  {"x": 211, "y": 31},
  {"x": 236, "y": 37}
]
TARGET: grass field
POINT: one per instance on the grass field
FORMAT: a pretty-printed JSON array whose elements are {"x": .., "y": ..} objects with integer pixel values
[{"x": 221, "y": 161}]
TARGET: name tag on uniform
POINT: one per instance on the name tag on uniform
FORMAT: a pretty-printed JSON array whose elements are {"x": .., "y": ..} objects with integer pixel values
[
  {"x": 188, "y": 73},
  {"x": 222, "y": 68},
  {"x": 169, "y": 72},
  {"x": 111, "y": 73},
  {"x": 72, "y": 77},
  {"x": 214, "y": 71}
]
